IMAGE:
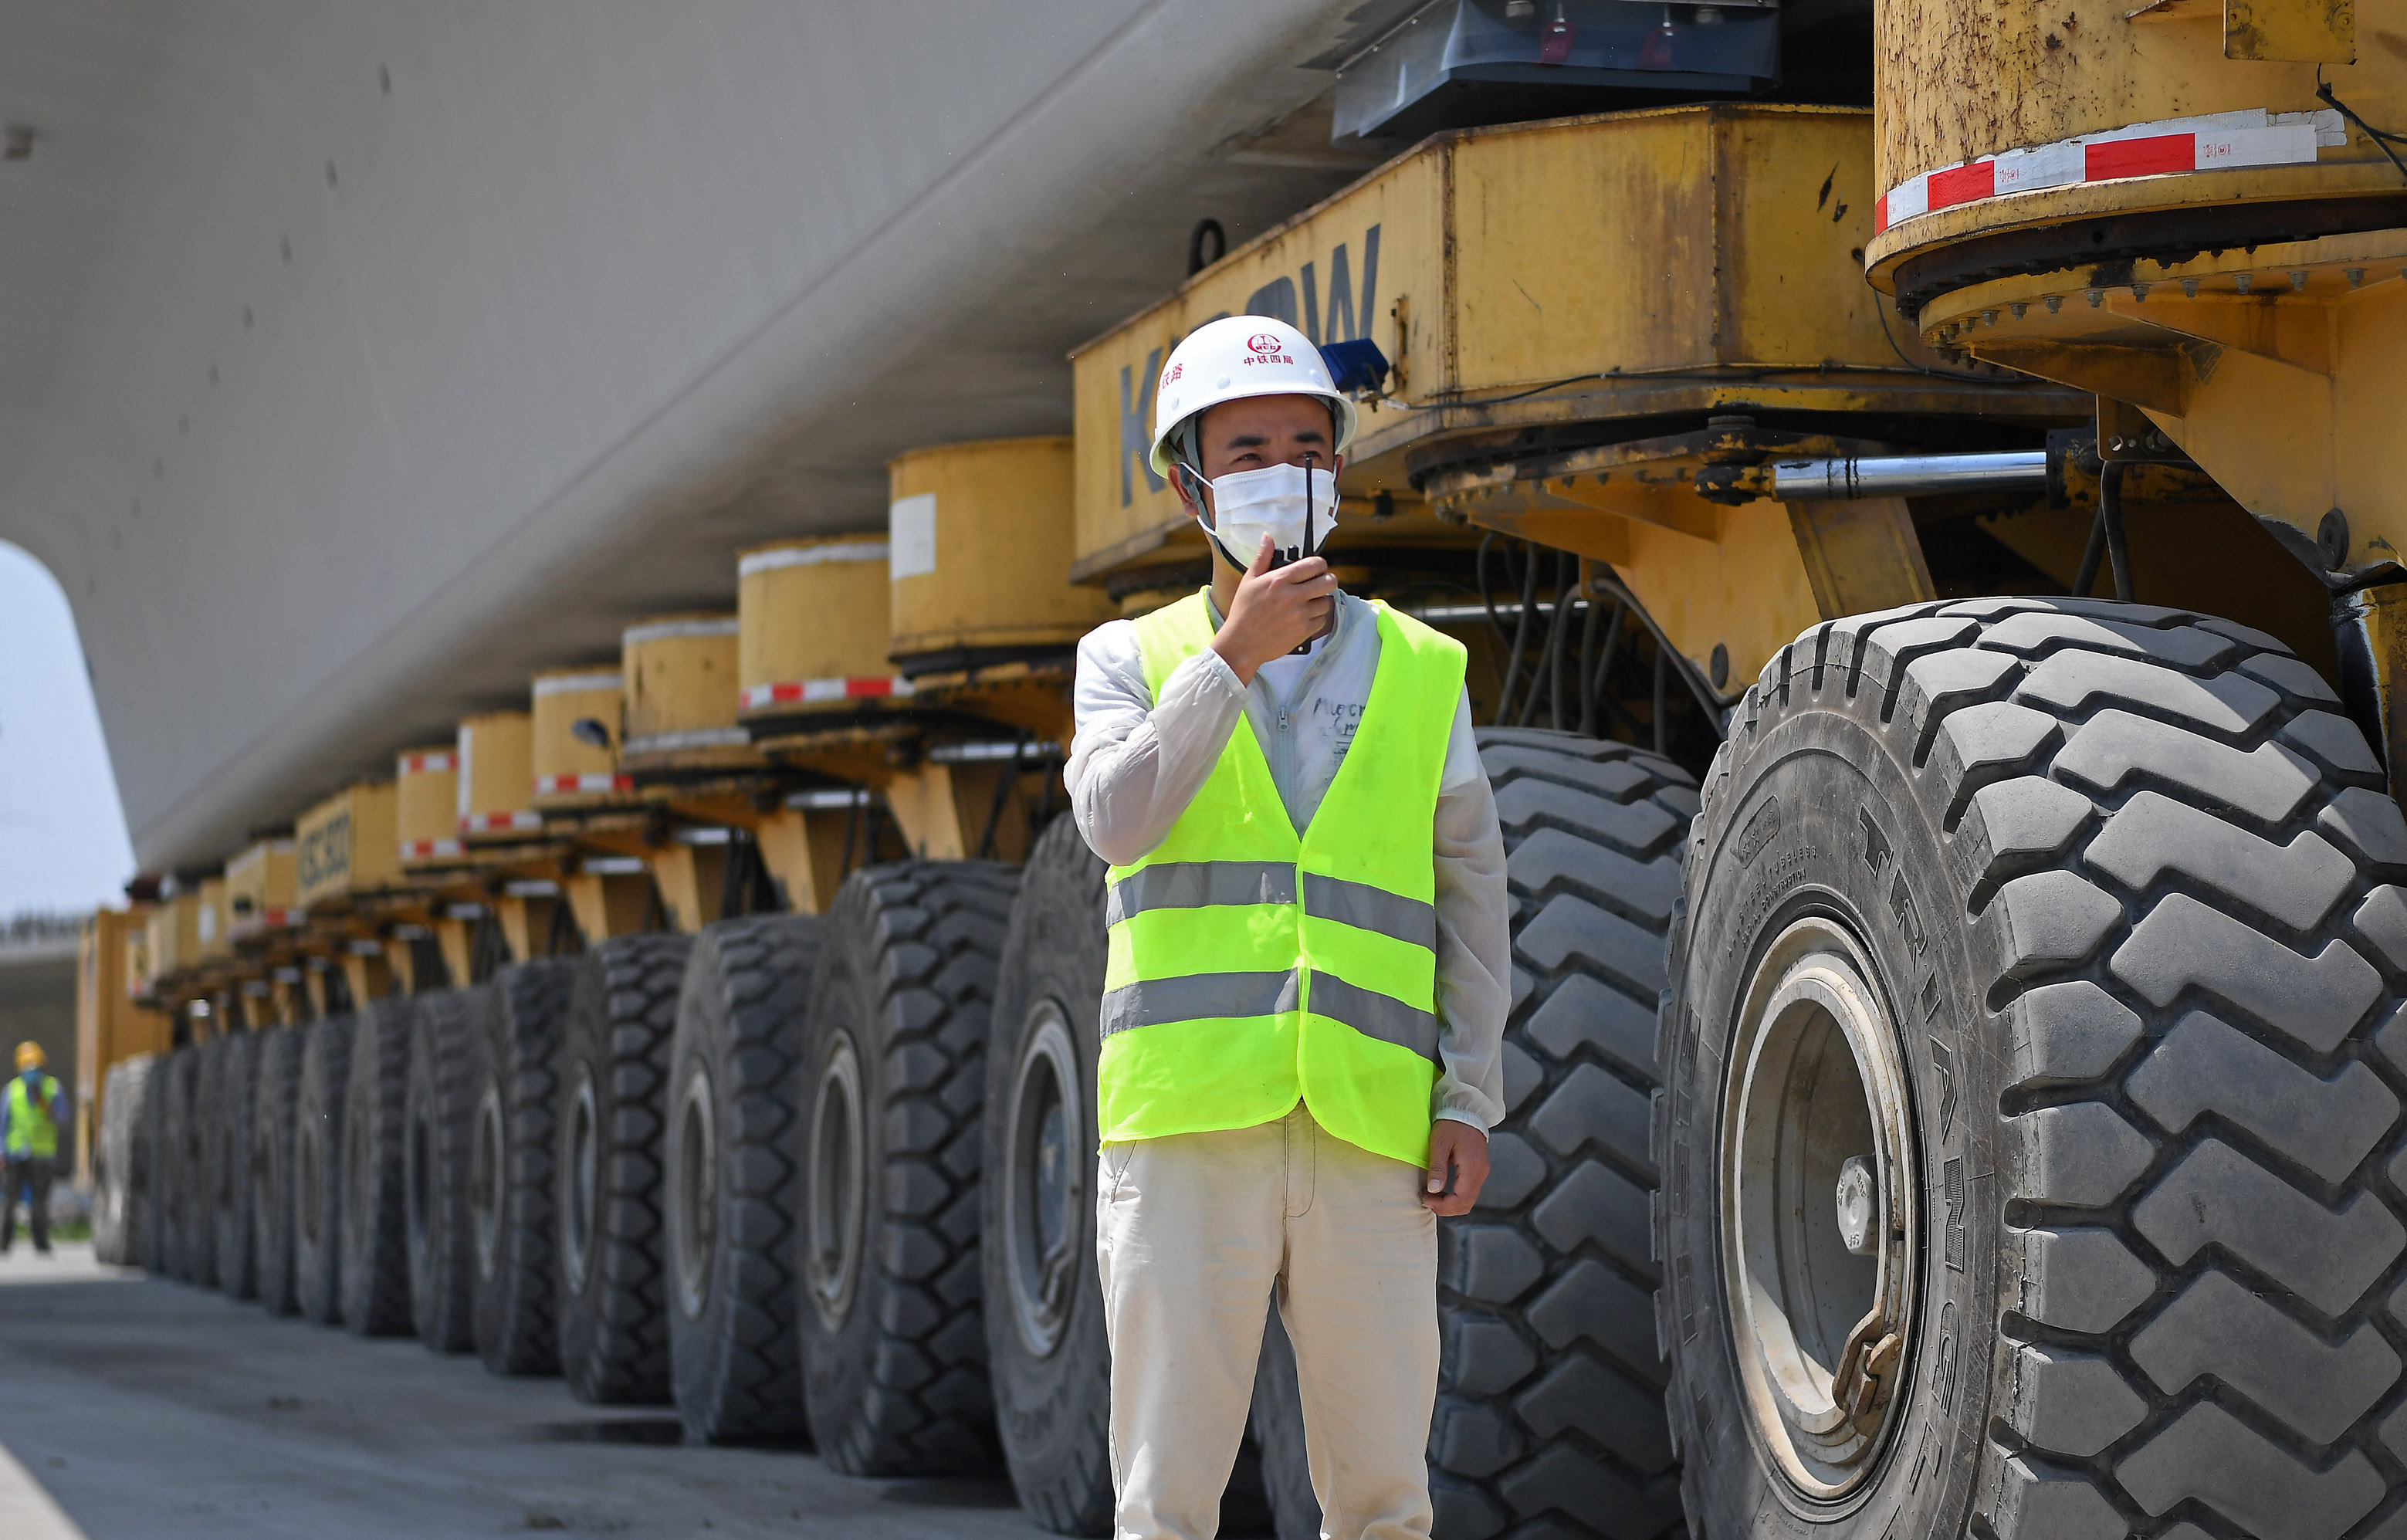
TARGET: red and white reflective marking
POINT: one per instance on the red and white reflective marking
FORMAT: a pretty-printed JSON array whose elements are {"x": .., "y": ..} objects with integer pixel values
[
  {"x": 495, "y": 823},
  {"x": 429, "y": 849},
  {"x": 551, "y": 786},
  {"x": 2218, "y": 142},
  {"x": 440, "y": 762},
  {"x": 819, "y": 691}
]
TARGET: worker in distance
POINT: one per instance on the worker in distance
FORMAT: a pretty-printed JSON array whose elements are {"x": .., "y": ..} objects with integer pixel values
[
  {"x": 1308, "y": 967},
  {"x": 33, "y": 1109}
]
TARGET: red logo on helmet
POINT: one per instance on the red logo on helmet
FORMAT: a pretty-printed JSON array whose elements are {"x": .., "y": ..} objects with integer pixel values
[
  {"x": 1172, "y": 373},
  {"x": 1263, "y": 342}
]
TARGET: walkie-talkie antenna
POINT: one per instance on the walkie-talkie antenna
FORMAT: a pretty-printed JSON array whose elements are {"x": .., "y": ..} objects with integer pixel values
[
  {"x": 1307, "y": 548},
  {"x": 1308, "y": 545}
]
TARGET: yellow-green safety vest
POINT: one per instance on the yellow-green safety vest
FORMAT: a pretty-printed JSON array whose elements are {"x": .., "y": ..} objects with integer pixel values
[
  {"x": 32, "y": 1135},
  {"x": 1250, "y": 967}
]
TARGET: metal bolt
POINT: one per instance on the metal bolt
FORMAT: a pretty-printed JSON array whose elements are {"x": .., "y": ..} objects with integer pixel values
[
  {"x": 2140, "y": 292},
  {"x": 2116, "y": 444},
  {"x": 2298, "y": 280},
  {"x": 1948, "y": 331},
  {"x": 2056, "y": 302},
  {"x": 1988, "y": 318},
  {"x": 2097, "y": 297},
  {"x": 2018, "y": 307},
  {"x": 2241, "y": 281},
  {"x": 2355, "y": 276},
  {"x": 2190, "y": 288}
]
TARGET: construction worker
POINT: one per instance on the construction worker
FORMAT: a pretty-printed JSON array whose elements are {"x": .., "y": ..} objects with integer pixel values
[
  {"x": 32, "y": 1112},
  {"x": 1308, "y": 975}
]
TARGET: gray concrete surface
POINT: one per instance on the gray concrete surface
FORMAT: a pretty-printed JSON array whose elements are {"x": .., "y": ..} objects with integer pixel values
[{"x": 146, "y": 1410}]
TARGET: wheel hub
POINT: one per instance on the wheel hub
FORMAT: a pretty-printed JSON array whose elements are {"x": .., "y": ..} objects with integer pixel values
[
  {"x": 1046, "y": 1183},
  {"x": 485, "y": 1180},
  {"x": 693, "y": 1206},
  {"x": 1819, "y": 1208},
  {"x": 832, "y": 1232},
  {"x": 583, "y": 1179}
]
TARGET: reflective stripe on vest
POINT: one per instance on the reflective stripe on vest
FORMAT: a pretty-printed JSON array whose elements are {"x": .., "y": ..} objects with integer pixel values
[
  {"x": 1249, "y": 967},
  {"x": 32, "y": 1135}
]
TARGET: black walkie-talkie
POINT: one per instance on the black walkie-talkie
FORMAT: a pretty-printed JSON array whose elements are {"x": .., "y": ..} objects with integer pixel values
[{"x": 1306, "y": 550}]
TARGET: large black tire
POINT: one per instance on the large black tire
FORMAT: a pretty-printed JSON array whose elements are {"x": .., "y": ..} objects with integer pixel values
[
  {"x": 435, "y": 1141},
  {"x": 2122, "y": 871},
  {"x": 732, "y": 1153},
  {"x": 184, "y": 1147},
  {"x": 894, "y": 1348},
  {"x": 512, "y": 1187},
  {"x": 1046, "y": 1355},
  {"x": 198, "y": 1254},
  {"x": 122, "y": 1162},
  {"x": 614, "y": 1342},
  {"x": 275, "y": 1104},
  {"x": 233, "y": 1095},
  {"x": 375, "y": 1234},
  {"x": 160, "y": 1132},
  {"x": 1549, "y": 1387},
  {"x": 317, "y": 1139}
]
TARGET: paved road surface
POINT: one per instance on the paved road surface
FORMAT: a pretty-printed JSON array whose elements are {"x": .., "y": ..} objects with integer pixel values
[{"x": 151, "y": 1411}]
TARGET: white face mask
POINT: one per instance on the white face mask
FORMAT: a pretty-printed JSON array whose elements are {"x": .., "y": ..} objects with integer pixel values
[{"x": 1279, "y": 501}]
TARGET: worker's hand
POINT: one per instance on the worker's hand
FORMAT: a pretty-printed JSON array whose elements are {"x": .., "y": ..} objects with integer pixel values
[
  {"x": 1458, "y": 1162},
  {"x": 1275, "y": 612}
]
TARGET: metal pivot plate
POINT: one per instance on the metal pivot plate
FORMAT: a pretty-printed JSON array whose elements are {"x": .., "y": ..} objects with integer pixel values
[
  {"x": 836, "y": 1185},
  {"x": 1045, "y": 1185},
  {"x": 1819, "y": 1205},
  {"x": 693, "y": 1205}
]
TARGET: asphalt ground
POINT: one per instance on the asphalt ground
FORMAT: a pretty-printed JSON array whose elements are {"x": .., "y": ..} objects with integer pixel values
[{"x": 132, "y": 1408}]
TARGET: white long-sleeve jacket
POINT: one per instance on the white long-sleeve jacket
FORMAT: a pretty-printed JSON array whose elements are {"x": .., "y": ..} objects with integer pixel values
[{"x": 1137, "y": 762}]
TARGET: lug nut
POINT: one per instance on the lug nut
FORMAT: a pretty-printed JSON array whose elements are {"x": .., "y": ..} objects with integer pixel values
[
  {"x": 2355, "y": 276},
  {"x": 2018, "y": 307},
  {"x": 2241, "y": 282},
  {"x": 2140, "y": 292},
  {"x": 2097, "y": 297},
  {"x": 2190, "y": 288},
  {"x": 2056, "y": 302},
  {"x": 1988, "y": 318},
  {"x": 2298, "y": 280}
]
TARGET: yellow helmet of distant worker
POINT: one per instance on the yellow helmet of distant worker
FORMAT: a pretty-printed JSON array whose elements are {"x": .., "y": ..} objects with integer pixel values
[{"x": 30, "y": 1056}]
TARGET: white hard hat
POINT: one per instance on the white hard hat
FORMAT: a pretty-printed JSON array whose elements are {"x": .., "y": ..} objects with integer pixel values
[{"x": 1233, "y": 358}]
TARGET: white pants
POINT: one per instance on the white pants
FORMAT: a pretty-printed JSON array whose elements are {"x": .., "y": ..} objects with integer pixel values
[{"x": 1192, "y": 1233}]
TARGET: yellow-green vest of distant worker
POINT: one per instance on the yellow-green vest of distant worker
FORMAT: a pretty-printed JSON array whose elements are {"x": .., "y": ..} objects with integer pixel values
[
  {"x": 1250, "y": 967},
  {"x": 32, "y": 1135}
]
